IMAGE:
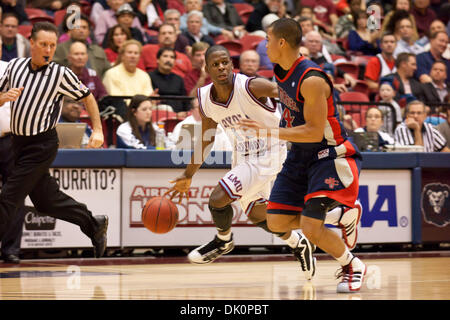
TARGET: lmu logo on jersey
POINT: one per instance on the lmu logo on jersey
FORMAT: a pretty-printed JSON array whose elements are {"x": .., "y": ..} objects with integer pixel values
[
  {"x": 231, "y": 121},
  {"x": 287, "y": 101},
  {"x": 235, "y": 181},
  {"x": 435, "y": 204},
  {"x": 331, "y": 182},
  {"x": 194, "y": 213}
]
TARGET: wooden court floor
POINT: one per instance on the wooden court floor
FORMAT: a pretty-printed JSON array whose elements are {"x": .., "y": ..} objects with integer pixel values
[{"x": 386, "y": 279}]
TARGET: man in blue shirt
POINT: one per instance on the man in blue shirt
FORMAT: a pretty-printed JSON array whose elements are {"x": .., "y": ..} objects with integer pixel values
[{"x": 438, "y": 45}]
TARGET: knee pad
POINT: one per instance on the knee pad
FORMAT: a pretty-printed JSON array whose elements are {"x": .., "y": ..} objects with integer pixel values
[
  {"x": 222, "y": 217},
  {"x": 263, "y": 225},
  {"x": 317, "y": 208}
]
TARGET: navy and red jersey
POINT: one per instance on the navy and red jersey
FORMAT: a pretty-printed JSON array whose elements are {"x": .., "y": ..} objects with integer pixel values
[{"x": 291, "y": 99}]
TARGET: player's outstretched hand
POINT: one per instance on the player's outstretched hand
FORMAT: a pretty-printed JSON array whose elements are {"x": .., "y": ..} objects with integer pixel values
[
  {"x": 181, "y": 188},
  {"x": 253, "y": 128}
]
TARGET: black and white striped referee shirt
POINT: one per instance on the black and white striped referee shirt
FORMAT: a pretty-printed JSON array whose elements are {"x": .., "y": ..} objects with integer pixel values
[
  {"x": 38, "y": 108},
  {"x": 433, "y": 140}
]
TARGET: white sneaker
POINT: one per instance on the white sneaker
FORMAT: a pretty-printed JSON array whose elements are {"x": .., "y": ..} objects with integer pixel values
[
  {"x": 209, "y": 252},
  {"x": 352, "y": 276},
  {"x": 348, "y": 223},
  {"x": 303, "y": 253}
]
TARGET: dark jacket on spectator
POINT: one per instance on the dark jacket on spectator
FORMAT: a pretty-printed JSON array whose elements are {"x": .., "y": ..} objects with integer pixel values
[
  {"x": 255, "y": 20},
  {"x": 228, "y": 21},
  {"x": 18, "y": 10},
  {"x": 417, "y": 88},
  {"x": 204, "y": 38},
  {"x": 431, "y": 94}
]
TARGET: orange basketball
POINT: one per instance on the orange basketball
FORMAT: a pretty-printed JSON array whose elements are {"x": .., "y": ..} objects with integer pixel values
[{"x": 160, "y": 215}]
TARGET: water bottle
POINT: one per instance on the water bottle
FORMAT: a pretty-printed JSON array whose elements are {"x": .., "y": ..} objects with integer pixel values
[{"x": 160, "y": 137}]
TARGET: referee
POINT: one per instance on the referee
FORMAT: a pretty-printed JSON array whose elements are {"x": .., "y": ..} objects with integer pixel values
[{"x": 35, "y": 87}]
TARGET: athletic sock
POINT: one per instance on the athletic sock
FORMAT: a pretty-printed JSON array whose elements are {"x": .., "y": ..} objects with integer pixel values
[
  {"x": 293, "y": 240},
  {"x": 345, "y": 258},
  {"x": 225, "y": 237}
]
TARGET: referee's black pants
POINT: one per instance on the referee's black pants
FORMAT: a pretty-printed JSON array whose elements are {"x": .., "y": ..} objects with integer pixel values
[
  {"x": 33, "y": 156},
  {"x": 13, "y": 235}
]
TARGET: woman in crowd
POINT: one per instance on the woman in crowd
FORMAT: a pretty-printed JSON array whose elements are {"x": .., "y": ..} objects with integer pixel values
[
  {"x": 374, "y": 122},
  {"x": 362, "y": 39},
  {"x": 115, "y": 39},
  {"x": 138, "y": 132},
  {"x": 404, "y": 5}
]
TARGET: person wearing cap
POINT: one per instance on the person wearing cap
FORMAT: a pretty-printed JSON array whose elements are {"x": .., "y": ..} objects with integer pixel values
[
  {"x": 125, "y": 17},
  {"x": 108, "y": 19}
]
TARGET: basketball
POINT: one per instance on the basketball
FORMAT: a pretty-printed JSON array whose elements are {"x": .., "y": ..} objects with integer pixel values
[{"x": 159, "y": 215}]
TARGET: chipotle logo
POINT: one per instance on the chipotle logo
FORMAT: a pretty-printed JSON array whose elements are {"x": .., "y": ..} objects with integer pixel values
[{"x": 36, "y": 221}]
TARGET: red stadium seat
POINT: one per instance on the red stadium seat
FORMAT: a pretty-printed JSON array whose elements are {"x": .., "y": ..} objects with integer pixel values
[
  {"x": 163, "y": 115},
  {"x": 349, "y": 67},
  {"x": 86, "y": 7},
  {"x": 249, "y": 42},
  {"x": 266, "y": 73},
  {"x": 343, "y": 42},
  {"x": 37, "y": 15},
  {"x": 233, "y": 46},
  {"x": 59, "y": 16},
  {"x": 358, "y": 112},
  {"x": 335, "y": 57},
  {"x": 362, "y": 86},
  {"x": 169, "y": 124},
  {"x": 361, "y": 60},
  {"x": 244, "y": 10},
  {"x": 152, "y": 33},
  {"x": 243, "y": 7},
  {"x": 245, "y": 15},
  {"x": 25, "y": 30}
]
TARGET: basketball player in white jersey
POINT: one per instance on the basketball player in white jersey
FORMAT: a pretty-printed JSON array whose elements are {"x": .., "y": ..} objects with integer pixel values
[{"x": 256, "y": 160}]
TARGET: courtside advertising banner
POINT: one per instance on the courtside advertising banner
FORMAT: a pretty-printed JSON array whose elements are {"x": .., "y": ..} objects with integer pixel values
[
  {"x": 195, "y": 224},
  {"x": 98, "y": 189},
  {"x": 385, "y": 196}
]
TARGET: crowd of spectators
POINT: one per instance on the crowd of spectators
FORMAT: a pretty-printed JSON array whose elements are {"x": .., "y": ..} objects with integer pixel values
[{"x": 393, "y": 52}]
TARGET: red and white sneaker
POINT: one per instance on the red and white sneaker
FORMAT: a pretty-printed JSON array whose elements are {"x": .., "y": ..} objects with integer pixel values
[
  {"x": 352, "y": 276},
  {"x": 348, "y": 223}
]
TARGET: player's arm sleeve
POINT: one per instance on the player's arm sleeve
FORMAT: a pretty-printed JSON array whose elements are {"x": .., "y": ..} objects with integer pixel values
[{"x": 72, "y": 87}]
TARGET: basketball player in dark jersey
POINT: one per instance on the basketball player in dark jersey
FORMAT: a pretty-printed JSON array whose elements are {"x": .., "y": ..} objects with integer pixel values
[{"x": 322, "y": 168}]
